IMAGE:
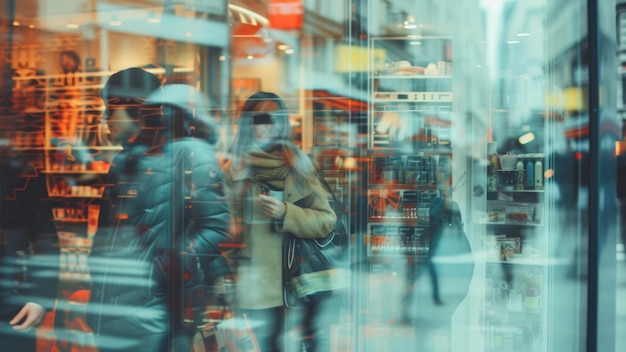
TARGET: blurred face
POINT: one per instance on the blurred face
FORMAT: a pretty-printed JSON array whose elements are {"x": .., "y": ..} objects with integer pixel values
[
  {"x": 122, "y": 126},
  {"x": 264, "y": 131},
  {"x": 68, "y": 63}
]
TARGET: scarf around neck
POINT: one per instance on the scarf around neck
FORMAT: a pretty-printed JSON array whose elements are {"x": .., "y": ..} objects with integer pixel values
[{"x": 268, "y": 168}]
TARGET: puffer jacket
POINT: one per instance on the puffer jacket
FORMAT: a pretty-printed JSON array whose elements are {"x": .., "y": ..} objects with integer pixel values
[{"x": 131, "y": 262}]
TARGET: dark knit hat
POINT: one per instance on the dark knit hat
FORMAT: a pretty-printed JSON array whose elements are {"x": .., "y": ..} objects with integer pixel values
[{"x": 129, "y": 86}]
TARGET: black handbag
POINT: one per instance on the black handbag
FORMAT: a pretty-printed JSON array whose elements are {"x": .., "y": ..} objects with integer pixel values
[{"x": 316, "y": 266}]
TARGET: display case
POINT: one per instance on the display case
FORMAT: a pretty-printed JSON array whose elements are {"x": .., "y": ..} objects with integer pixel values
[
  {"x": 516, "y": 255},
  {"x": 77, "y": 152},
  {"x": 409, "y": 147},
  {"x": 64, "y": 127}
]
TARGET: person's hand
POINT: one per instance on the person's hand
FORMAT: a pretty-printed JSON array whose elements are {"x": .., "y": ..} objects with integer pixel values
[
  {"x": 272, "y": 207},
  {"x": 28, "y": 317}
]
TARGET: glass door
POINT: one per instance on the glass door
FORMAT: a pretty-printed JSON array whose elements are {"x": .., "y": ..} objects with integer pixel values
[{"x": 497, "y": 96}]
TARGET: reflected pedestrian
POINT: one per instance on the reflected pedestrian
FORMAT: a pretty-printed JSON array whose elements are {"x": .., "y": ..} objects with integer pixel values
[
  {"x": 273, "y": 189},
  {"x": 137, "y": 266}
]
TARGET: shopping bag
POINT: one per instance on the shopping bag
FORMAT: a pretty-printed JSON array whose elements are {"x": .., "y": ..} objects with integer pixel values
[
  {"x": 205, "y": 339},
  {"x": 236, "y": 335}
]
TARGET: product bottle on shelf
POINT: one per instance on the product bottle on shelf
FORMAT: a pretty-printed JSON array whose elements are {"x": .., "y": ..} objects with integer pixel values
[
  {"x": 530, "y": 174},
  {"x": 538, "y": 174},
  {"x": 532, "y": 294},
  {"x": 519, "y": 175},
  {"x": 492, "y": 167}
]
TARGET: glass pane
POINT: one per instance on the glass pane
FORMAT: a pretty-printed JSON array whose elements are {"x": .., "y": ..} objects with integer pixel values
[
  {"x": 495, "y": 93},
  {"x": 179, "y": 148}
]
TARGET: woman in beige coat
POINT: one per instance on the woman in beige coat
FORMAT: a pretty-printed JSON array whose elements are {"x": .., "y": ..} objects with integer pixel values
[{"x": 265, "y": 176}]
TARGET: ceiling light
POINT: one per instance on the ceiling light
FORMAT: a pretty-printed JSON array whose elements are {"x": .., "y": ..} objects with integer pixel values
[
  {"x": 549, "y": 173},
  {"x": 31, "y": 26},
  {"x": 115, "y": 22},
  {"x": 289, "y": 51},
  {"x": 512, "y": 42},
  {"x": 283, "y": 47},
  {"x": 72, "y": 25},
  {"x": 523, "y": 34},
  {"x": 16, "y": 23},
  {"x": 415, "y": 43},
  {"x": 188, "y": 34},
  {"x": 222, "y": 58},
  {"x": 250, "y": 57},
  {"x": 526, "y": 138}
]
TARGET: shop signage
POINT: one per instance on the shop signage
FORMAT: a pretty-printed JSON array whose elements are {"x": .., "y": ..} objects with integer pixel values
[
  {"x": 286, "y": 14},
  {"x": 353, "y": 58}
]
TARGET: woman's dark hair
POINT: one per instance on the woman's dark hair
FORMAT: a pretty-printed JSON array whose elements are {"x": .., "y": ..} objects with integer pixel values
[
  {"x": 300, "y": 163},
  {"x": 245, "y": 133}
]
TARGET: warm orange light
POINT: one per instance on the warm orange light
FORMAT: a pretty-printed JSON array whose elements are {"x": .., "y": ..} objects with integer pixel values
[
  {"x": 350, "y": 163},
  {"x": 619, "y": 147},
  {"x": 548, "y": 173}
]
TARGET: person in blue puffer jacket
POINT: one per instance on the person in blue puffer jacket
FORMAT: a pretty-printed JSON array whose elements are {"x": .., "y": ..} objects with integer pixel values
[{"x": 165, "y": 218}]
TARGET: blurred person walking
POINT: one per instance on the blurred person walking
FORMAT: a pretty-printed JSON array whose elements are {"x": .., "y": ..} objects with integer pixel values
[
  {"x": 137, "y": 266},
  {"x": 267, "y": 176}
]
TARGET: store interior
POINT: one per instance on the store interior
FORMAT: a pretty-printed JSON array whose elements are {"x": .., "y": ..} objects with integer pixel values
[{"x": 395, "y": 123}]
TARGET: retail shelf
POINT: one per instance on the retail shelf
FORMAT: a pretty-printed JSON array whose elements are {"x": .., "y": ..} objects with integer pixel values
[
  {"x": 540, "y": 191},
  {"x": 76, "y": 172},
  {"x": 391, "y": 218},
  {"x": 402, "y": 186},
  {"x": 509, "y": 224},
  {"x": 447, "y": 151},
  {"x": 75, "y": 197},
  {"x": 71, "y": 220},
  {"x": 388, "y": 76},
  {"x": 523, "y": 261},
  {"x": 85, "y": 147},
  {"x": 490, "y": 310}
]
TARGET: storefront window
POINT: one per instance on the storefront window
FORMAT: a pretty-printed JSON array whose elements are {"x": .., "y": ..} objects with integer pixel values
[{"x": 187, "y": 161}]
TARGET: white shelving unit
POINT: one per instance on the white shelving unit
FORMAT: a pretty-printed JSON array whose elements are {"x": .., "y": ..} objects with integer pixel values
[{"x": 409, "y": 142}]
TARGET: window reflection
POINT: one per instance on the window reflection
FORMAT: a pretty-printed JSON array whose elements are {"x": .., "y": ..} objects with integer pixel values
[{"x": 456, "y": 135}]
